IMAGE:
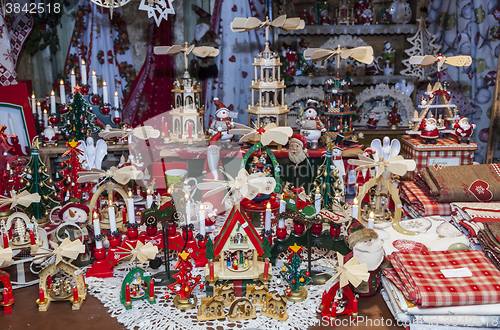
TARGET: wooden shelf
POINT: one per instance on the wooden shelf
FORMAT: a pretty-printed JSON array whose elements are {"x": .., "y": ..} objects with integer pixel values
[
  {"x": 356, "y": 80},
  {"x": 353, "y": 29}
]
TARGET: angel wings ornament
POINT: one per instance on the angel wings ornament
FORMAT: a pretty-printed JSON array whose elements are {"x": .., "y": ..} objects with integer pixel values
[{"x": 92, "y": 155}]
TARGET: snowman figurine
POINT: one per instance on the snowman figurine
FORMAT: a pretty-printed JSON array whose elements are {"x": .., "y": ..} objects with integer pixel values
[
  {"x": 74, "y": 226},
  {"x": 222, "y": 122},
  {"x": 310, "y": 125}
]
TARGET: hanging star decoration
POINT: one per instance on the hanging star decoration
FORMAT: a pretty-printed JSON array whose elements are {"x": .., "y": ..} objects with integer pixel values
[{"x": 158, "y": 9}]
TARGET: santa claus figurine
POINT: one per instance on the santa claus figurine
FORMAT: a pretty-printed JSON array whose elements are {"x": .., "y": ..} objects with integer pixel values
[
  {"x": 210, "y": 216},
  {"x": 368, "y": 248},
  {"x": 222, "y": 122},
  {"x": 310, "y": 125},
  {"x": 373, "y": 119},
  {"x": 429, "y": 130},
  {"x": 463, "y": 130},
  {"x": 297, "y": 151}
]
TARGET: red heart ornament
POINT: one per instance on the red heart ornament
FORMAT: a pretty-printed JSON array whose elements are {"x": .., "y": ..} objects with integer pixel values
[
  {"x": 244, "y": 74},
  {"x": 230, "y": 107},
  {"x": 406, "y": 245},
  {"x": 232, "y": 59},
  {"x": 234, "y": 9},
  {"x": 479, "y": 189}
]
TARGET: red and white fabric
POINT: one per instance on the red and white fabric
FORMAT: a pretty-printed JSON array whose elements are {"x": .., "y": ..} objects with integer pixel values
[
  {"x": 420, "y": 202},
  {"x": 14, "y": 30},
  {"x": 418, "y": 275}
]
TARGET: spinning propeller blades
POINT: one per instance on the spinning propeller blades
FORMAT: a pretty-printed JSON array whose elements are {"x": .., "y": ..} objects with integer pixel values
[
  {"x": 267, "y": 134},
  {"x": 363, "y": 54},
  {"x": 241, "y": 24},
  {"x": 204, "y": 51},
  {"x": 425, "y": 61}
]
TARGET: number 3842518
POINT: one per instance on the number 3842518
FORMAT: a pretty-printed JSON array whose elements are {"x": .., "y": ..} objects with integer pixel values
[{"x": 32, "y": 8}]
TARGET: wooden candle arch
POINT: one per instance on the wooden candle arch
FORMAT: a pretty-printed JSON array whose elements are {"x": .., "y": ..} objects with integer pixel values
[{"x": 108, "y": 186}]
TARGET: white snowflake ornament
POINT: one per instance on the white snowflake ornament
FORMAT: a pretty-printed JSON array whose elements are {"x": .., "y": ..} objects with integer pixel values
[{"x": 158, "y": 9}]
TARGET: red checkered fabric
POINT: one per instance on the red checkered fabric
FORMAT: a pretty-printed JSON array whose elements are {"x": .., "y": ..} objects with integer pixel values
[
  {"x": 413, "y": 148},
  {"x": 418, "y": 275},
  {"x": 420, "y": 202}
]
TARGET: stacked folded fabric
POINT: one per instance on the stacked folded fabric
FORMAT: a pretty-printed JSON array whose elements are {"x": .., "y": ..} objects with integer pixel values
[
  {"x": 472, "y": 216},
  {"x": 489, "y": 238},
  {"x": 451, "y": 317},
  {"x": 470, "y": 183},
  {"x": 445, "y": 278},
  {"x": 419, "y": 204}
]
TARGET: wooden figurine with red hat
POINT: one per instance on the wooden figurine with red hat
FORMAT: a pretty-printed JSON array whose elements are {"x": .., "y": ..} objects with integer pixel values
[
  {"x": 222, "y": 122},
  {"x": 297, "y": 151},
  {"x": 7, "y": 294},
  {"x": 310, "y": 125},
  {"x": 429, "y": 131},
  {"x": 463, "y": 130}
]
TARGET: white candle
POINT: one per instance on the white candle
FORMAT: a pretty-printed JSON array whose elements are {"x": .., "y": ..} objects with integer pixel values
[
  {"x": 371, "y": 221},
  {"x": 33, "y": 104},
  {"x": 45, "y": 118},
  {"x": 355, "y": 208},
  {"x": 149, "y": 199},
  {"x": 117, "y": 102},
  {"x": 282, "y": 204},
  {"x": 62, "y": 91},
  {"x": 97, "y": 232},
  {"x": 267, "y": 223},
  {"x": 112, "y": 218},
  {"x": 39, "y": 109},
  {"x": 52, "y": 102},
  {"x": 94, "y": 82},
  {"x": 130, "y": 208},
  {"x": 73, "y": 81},
  {"x": 105, "y": 92},
  {"x": 11, "y": 126},
  {"x": 83, "y": 71},
  {"x": 202, "y": 219},
  {"x": 317, "y": 200},
  {"x": 188, "y": 209}
]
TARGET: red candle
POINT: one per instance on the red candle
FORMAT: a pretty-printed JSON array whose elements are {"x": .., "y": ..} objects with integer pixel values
[
  {"x": 32, "y": 237},
  {"x": 165, "y": 128},
  {"x": 334, "y": 309},
  {"x": 190, "y": 131},
  {"x": 49, "y": 281},
  {"x": 75, "y": 294},
  {"x": 41, "y": 295},
  {"x": 127, "y": 293},
  {"x": 6, "y": 296},
  {"x": 211, "y": 270},
  {"x": 266, "y": 268},
  {"x": 151, "y": 288},
  {"x": 355, "y": 305},
  {"x": 124, "y": 214},
  {"x": 5, "y": 241}
]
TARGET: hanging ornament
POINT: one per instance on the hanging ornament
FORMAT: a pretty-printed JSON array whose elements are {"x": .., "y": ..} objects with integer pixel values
[
  {"x": 158, "y": 9},
  {"x": 111, "y": 4}
]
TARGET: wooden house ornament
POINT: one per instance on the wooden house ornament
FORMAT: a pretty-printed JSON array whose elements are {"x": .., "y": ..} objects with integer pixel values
[
  {"x": 226, "y": 291},
  {"x": 241, "y": 309},
  {"x": 257, "y": 294},
  {"x": 237, "y": 247},
  {"x": 211, "y": 308},
  {"x": 275, "y": 307}
]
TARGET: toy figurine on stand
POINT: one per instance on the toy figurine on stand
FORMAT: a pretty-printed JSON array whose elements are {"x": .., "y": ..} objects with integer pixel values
[
  {"x": 339, "y": 299},
  {"x": 463, "y": 130},
  {"x": 60, "y": 280},
  {"x": 222, "y": 123},
  {"x": 368, "y": 248},
  {"x": 364, "y": 12},
  {"x": 373, "y": 119},
  {"x": 137, "y": 285},
  {"x": 429, "y": 130},
  {"x": 394, "y": 118},
  {"x": 185, "y": 283},
  {"x": 7, "y": 295},
  {"x": 310, "y": 125},
  {"x": 295, "y": 277}
]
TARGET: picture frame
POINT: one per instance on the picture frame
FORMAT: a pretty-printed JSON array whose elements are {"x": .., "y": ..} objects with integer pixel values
[{"x": 15, "y": 113}]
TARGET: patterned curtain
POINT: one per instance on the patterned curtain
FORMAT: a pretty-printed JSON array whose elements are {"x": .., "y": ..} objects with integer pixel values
[
  {"x": 470, "y": 28},
  {"x": 236, "y": 57},
  {"x": 151, "y": 93},
  {"x": 14, "y": 30},
  {"x": 104, "y": 45}
]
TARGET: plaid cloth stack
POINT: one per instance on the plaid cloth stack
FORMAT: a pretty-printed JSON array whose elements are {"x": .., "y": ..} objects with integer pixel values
[
  {"x": 489, "y": 238},
  {"x": 419, "y": 276},
  {"x": 420, "y": 203}
]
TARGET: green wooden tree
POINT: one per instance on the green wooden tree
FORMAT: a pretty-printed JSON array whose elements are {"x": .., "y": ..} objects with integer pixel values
[
  {"x": 267, "y": 249},
  {"x": 293, "y": 275},
  {"x": 209, "y": 251},
  {"x": 36, "y": 179},
  {"x": 78, "y": 122},
  {"x": 328, "y": 182}
]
